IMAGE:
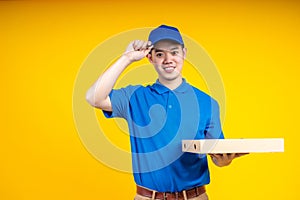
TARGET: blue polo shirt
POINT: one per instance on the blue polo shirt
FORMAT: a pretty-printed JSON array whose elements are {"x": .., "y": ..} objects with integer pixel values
[{"x": 159, "y": 119}]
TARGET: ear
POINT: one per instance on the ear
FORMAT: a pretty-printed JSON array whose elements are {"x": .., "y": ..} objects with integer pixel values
[
  {"x": 149, "y": 56},
  {"x": 184, "y": 52}
]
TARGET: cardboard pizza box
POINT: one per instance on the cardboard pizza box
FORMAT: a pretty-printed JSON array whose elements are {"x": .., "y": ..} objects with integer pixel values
[{"x": 206, "y": 146}]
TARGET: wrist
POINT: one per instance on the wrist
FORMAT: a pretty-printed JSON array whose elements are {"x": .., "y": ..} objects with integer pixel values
[{"x": 127, "y": 58}]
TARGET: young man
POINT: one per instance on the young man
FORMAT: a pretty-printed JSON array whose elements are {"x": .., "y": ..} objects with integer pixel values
[{"x": 159, "y": 116}]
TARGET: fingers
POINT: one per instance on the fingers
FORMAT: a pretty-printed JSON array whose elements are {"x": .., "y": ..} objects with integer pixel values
[
  {"x": 217, "y": 156},
  {"x": 140, "y": 45},
  {"x": 227, "y": 156},
  {"x": 138, "y": 49},
  {"x": 231, "y": 156},
  {"x": 241, "y": 154},
  {"x": 236, "y": 155},
  {"x": 137, "y": 44}
]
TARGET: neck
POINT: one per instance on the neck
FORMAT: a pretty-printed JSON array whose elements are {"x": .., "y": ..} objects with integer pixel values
[{"x": 171, "y": 84}]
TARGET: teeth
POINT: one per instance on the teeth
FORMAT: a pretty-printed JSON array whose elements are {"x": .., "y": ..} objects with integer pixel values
[{"x": 169, "y": 68}]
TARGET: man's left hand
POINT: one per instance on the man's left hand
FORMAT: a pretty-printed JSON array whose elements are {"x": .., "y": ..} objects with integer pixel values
[{"x": 225, "y": 159}]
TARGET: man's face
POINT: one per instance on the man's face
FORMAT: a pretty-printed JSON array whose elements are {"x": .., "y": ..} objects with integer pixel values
[{"x": 167, "y": 57}]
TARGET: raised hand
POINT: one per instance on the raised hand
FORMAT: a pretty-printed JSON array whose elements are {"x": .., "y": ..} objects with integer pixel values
[{"x": 138, "y": 49}]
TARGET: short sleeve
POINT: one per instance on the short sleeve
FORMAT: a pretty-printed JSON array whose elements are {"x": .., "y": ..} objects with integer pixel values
[{"x": 120, "y": 102}]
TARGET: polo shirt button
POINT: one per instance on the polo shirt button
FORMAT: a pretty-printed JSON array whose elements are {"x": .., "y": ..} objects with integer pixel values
[{"x": 170, "y": 106}]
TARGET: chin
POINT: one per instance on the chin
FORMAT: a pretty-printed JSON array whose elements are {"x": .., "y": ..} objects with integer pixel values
[{"x": 172, "y": 78}]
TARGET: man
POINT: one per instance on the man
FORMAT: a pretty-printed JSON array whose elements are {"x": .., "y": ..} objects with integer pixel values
[{"x": 159, "y": 116}]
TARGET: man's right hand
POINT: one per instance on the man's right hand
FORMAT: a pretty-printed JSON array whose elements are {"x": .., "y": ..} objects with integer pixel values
[{"x": 138, "y": 50}]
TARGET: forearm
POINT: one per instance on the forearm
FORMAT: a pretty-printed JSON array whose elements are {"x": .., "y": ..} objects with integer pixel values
[{"x": 98, "y": 94}]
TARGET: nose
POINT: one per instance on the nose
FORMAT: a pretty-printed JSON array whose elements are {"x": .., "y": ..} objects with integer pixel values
[{"x": 167, "y": 58}]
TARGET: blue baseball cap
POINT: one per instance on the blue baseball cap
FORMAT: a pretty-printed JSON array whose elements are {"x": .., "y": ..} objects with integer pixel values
[{"x": 165, "y": 32}]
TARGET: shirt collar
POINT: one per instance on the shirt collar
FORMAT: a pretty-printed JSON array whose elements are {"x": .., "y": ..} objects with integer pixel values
[{"x": 160, "y": 88}]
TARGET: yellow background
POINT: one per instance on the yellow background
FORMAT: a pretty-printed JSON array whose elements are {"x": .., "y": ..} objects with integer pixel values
[{"x": 255, "y": 45}]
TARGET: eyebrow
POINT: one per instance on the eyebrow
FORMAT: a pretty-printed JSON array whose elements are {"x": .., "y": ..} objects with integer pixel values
[{"x": 162, "y": 50}]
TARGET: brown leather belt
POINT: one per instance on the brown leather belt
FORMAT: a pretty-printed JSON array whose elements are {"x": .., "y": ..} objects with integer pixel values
[{"x": 191, "y": 193}]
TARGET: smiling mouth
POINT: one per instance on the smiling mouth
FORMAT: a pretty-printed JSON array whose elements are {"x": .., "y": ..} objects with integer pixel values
[{"x": 169, "y": 69}]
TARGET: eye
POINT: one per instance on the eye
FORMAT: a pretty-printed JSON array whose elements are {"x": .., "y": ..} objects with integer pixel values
[
  {"x": 159, "y": 55},
  {"x": 174, "y": 53}
]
